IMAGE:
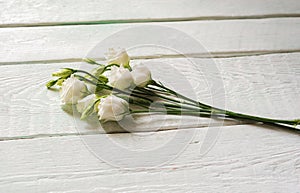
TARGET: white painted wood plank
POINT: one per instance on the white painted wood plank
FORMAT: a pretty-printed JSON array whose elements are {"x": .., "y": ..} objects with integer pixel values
[
  {"x": 43, "y": 11},
  {"x": 266, "y": 85},
  {"x": 244, "y": 159},
  {"x": 218, "y": 37}
]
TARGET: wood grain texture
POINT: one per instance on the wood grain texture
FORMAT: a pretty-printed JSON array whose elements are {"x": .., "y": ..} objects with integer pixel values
[
  {"x": 245, "y": 158},
  {"x": 232, "y": 37},
  {"x": 44, "y": 149},
  {"x": 259, "y": 85},
  {"x": 34, "y": 12}
]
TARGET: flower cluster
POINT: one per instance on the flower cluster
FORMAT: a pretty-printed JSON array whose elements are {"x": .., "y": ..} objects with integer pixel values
[
  {"x": 117, "y": 75},
  {"x": 116, "y": 89}
]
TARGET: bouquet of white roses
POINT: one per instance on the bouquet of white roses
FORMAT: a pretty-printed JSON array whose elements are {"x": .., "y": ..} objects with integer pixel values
[{"x": 119, "y": 89}]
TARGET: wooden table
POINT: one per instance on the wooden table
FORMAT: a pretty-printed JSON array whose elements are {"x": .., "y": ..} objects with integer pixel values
[{"x": 255, "y": 46}]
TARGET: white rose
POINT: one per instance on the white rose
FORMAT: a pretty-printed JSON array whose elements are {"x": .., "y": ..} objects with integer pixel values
[
  {"x": 112, "y": 108},
  {"x": 72, "y": 90},
  {"x": 85, "y": 102},
  {"x": 141, "y": 75},
  {"x": 120, "y": 77},
  {"x": 118, "y": 56}
]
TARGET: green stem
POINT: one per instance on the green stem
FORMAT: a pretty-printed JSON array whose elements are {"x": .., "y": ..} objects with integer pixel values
[
  {"x": 177, "y": 112},
  {"x": 179, "y": 106},
  {"x": 129, "y": 94},
  {"x": 85, "y": 72},
  {"x": 260, "y": 119},
  {"x": 226, "y": 112},
  {"x": 85, "y": 79},
  {"x": 174, "y": 93},
  {"x": 167, "y": 98}
]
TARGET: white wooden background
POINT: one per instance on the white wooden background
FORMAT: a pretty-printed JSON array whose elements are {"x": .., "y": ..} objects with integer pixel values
[{"x": 255, "y": 44}]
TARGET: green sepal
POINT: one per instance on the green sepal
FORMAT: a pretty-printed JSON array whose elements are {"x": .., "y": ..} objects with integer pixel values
[
  {"x": 88, "y": 111},
  {"x": 60, "y": 81},
  {"x": 103, "y": 79},
  {"x": 51, "y": 83},
  {"x": 99, "y": 88},
  {"x": 96, "y": 105},
  {"x": 127, "y": 66},
  {"x": 92, "y": 108},
  {"x": 151, "y": 82},
  {"x": 64, "y": 73},
  {"x": 98, "y": 71}
]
